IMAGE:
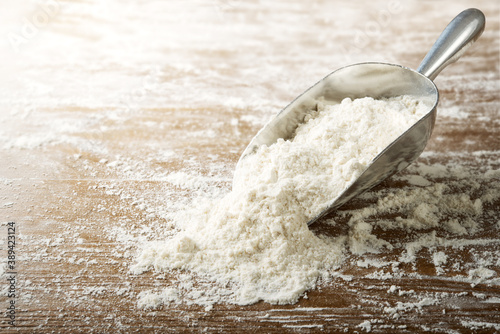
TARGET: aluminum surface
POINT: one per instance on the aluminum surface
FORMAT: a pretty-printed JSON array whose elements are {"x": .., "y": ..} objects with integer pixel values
[{"x": 380, "y": 80}]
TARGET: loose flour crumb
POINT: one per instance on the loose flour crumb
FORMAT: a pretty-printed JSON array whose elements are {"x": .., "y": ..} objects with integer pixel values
[{"x": 254, "y": 242}]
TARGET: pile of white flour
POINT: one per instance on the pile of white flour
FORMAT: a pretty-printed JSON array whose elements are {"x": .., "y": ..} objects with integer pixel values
[{"x": 254, "y": 243}]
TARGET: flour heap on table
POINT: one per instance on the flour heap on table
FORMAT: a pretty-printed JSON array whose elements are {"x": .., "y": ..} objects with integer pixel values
[{"x": 254, "y": 242}]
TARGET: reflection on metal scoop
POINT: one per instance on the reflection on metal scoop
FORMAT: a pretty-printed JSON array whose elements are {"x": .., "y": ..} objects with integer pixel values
[{"x": 380, "y": 80}]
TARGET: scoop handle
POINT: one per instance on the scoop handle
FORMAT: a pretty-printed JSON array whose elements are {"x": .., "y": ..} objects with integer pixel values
[{"x": 457, "y": 37}]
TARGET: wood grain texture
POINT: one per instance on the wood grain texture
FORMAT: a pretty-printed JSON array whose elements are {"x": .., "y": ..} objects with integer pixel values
[{"x": 100, "y": 100}]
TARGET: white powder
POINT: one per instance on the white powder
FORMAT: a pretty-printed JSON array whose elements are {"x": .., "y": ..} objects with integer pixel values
[
  {"x": 330, "y": 150},
  {"x": 256, "y": 239}
]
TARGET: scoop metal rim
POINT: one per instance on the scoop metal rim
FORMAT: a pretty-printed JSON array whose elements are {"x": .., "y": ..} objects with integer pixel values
[{"x": 259, "y": 139}]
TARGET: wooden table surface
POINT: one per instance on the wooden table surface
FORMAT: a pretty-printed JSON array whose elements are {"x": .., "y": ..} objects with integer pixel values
[{"x": 101, "y": 101}]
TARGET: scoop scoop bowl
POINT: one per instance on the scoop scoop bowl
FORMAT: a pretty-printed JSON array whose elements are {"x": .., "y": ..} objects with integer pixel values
[{"x": 380, "y": 80}]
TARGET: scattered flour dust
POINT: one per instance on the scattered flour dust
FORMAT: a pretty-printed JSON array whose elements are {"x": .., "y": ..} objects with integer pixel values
[{"x": 254, "y": 243}]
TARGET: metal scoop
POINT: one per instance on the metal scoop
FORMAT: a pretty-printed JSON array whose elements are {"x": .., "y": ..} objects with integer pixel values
[{"x": 380, "y": 80}]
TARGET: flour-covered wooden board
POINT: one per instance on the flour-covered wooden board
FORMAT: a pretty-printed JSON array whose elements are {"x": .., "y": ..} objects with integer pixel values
[{"x": 119, "y": 117}]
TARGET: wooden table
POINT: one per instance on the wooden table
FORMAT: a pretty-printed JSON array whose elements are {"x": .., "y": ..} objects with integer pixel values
[{"x": 100, "y": 102}]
